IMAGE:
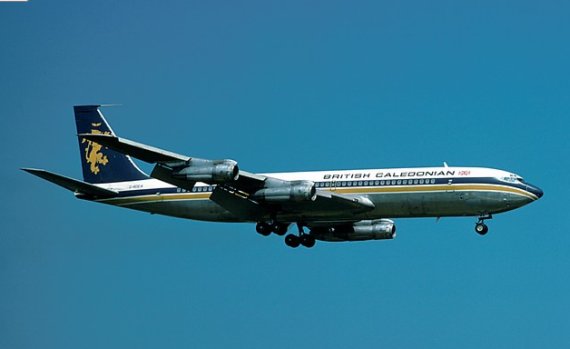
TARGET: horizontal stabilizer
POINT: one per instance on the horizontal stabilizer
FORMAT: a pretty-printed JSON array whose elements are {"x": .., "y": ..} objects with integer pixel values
[
  {"x": 71, "y": 184},
  {"x": 137, "y": 150}
]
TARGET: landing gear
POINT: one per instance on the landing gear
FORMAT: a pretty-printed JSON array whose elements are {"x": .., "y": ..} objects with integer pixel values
[
  {"x": 307, "y": 240},
  {"x": 292, "y": 240},
  {"x": 265, "y": 229},
  {"x": 304, "y": 239},
  {"x": 280, "y": 229},
  {"x": 480, "y": 227}
]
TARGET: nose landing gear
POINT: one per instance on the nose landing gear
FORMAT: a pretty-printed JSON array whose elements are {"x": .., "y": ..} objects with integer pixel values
[{"x": 480, "y": 227}]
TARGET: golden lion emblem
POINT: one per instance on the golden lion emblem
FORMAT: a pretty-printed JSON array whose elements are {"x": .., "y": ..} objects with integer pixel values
[{"x": 93, "y": 154}]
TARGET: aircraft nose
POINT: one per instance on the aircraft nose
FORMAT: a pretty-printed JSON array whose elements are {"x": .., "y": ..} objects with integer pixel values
[{"x": 535, "y": 190}]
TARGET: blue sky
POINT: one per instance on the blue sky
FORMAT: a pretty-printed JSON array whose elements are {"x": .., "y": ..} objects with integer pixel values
[{"x": 285, "y": 86}]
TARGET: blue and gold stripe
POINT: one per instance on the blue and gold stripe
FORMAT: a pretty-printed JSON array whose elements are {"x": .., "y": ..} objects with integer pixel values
[{"x": 392, "y": 186}]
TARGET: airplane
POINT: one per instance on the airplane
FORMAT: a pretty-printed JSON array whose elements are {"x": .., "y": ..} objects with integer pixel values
[{"x": 348, "y": 205}]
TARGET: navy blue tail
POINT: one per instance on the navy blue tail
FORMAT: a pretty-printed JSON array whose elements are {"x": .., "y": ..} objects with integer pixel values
[{"x": 100, "y": 164}]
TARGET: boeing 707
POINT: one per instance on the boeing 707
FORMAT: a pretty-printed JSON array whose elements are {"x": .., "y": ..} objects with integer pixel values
[{"x": 349, "y": 205}]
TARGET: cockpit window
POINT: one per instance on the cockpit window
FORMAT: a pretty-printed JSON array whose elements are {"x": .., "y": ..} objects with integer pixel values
[{"x": 513, "y": 179}]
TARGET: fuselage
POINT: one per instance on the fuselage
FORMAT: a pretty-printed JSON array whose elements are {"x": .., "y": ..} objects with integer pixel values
[
  {"x": 395, "y": 193},
  {"x": 346, "y": 205}
]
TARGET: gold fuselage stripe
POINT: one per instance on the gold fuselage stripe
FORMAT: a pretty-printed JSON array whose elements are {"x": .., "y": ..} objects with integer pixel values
[
  {"x": 437, "y": 188},
  {"x": 341, "y": 190}
]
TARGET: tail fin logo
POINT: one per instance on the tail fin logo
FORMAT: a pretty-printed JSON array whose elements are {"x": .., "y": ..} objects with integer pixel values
[{"x": 93, "y": 155}]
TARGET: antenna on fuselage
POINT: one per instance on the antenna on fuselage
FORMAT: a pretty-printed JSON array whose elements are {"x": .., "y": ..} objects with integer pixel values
[{"x": 445, "y": 164}]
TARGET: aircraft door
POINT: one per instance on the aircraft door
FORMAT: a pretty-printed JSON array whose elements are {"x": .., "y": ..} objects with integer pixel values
[
  {"x": 450, "y": 188},
  {"x": 333, "y": 185}
]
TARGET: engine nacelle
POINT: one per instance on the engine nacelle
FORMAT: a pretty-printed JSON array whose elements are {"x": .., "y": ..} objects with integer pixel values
[
  {"x": 292, "y": 191},
  {"x": 209, "y": 171},
  {"x": 380, "y": 229}
]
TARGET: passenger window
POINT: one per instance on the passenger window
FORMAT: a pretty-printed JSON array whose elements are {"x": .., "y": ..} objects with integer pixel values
[
  {"x": 365, "y": 183},
  {"x": 327, "y": 184},
  {"x": 343, "y": 184},
  {"x": 376, "y": 183},
  {"x": 405, "y": 181},
  {"x": 399, "y": 181},
  {"x": 421, "y": 181},
  {"x": 359, "y": 183},
  {"x": 381, "y": 182},
  {"x": 415, "y": 181}
]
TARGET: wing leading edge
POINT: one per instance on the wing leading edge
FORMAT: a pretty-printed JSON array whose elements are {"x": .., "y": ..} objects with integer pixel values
[{"x": 243, "y": 193}]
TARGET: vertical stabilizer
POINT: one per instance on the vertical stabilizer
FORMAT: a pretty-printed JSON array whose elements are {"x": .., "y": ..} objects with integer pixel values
[{"x": 100, "y": 164}]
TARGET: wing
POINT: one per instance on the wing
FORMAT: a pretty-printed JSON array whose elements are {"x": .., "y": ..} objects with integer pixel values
[
  {"x": 169, "y": 163},
  {"x": 247, "y": 195}
]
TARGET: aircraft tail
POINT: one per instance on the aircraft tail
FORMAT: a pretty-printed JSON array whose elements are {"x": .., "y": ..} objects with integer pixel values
[{"x": 101, "y": 164}]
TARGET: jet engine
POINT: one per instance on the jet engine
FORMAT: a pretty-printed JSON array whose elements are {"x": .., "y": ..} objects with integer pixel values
[
  {"x": 289, "y": 191},
  {"x": 209, "y": 171},
  {"x": 379, "y": 229}
]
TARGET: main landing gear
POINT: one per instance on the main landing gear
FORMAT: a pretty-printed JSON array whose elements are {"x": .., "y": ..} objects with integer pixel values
[
  {"x": 265, "y": 229},
  {"x": 306, "y": 240},
  {"x": 291, "y": 240},
  {"x": 480, "y": 227}
]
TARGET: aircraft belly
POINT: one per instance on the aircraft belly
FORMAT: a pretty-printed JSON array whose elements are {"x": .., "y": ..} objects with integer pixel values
[
  {"x": 203, "y": 210},
  {"x": 393, "y": 205},
  {"x": 440, "y": 204}
]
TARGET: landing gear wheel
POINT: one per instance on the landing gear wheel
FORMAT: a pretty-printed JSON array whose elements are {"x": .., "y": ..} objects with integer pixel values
[
  {"x": 263, "y": 228},
  {"x": 481, "y": 228},
  {"x": 280, "y": 229},
  {"x": 292, "y": 240},
  {"x": 307, "y": 240}
]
